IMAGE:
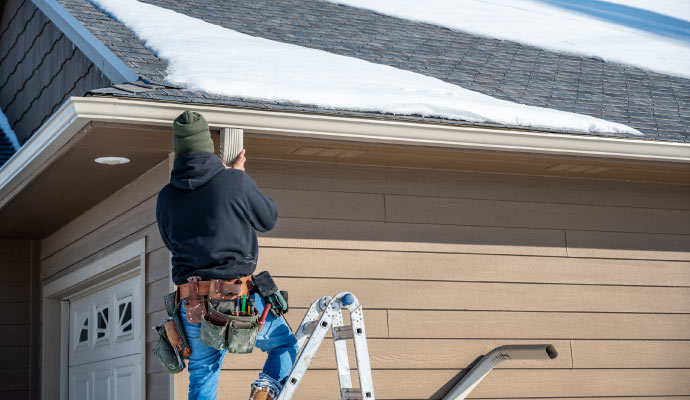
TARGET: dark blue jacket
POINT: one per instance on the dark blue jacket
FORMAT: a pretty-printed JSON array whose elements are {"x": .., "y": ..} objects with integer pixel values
[{"x": 207, "y": 215}]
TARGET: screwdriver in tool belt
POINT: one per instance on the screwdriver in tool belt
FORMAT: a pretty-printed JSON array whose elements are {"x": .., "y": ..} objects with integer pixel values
[{"x": 264, "y": 314}]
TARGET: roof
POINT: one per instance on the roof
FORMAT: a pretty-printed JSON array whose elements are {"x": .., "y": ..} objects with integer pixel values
[{"x": 658, "y": 105}]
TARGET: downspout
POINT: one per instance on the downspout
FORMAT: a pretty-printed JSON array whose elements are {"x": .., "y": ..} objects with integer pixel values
[{"x": 493, "y": 358}]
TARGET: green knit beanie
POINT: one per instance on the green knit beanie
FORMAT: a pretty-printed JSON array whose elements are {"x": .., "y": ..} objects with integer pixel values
[{"x": 191, "y": 134}]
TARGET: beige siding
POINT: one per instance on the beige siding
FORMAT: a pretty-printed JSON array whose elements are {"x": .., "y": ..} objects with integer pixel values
[
  {"x": 472, "y": 261},
  {"x": 449, "y": 265},
  {"x": 502, "y": 383}
]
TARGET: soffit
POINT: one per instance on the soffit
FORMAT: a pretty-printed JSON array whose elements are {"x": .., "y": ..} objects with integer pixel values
[
  {"x": 263, "y": 145},
  {"x": 74, "y": 182}
]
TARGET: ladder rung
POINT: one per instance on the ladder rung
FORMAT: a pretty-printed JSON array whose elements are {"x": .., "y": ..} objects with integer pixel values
[
  {"x": 351, "y": 394},
  {"x": 309, "y": 327},
  {"x": 342, "y": 332},
  {"x": 354, "y": 393}
]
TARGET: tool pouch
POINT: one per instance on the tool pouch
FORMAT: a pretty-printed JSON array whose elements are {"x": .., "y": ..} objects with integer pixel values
[
  {"x": 172, "y": 346},
  {"x": 195, "y": 304},
  {"x": 167, "y": 350},
  {"x": 214, "y": 326},
  {"x": 236, "y": 333},
  {"x": 242, "y": 333},
  {"x": 267, "y": 288},
  {"x": 172, "y": 306}
]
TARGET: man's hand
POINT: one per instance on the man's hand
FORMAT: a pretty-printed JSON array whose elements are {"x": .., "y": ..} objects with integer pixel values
[{"x": 239, "y": 161}]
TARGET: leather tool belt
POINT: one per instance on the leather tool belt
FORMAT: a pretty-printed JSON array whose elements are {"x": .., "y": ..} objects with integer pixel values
[
  {"x": 216, "y": 289},
  {"x": 195, "y": 292}
]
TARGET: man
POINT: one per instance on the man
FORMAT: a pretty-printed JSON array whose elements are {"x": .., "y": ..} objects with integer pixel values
[{"x": 207, "y": 216}]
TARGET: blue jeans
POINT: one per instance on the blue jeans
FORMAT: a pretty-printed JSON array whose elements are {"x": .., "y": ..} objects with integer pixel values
[{"x": 275, "y": 338}]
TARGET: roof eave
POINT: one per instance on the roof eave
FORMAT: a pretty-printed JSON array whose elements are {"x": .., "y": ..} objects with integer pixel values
[
  {"x": 360, "y": 129},
  {"x": 61, "y": 130}
]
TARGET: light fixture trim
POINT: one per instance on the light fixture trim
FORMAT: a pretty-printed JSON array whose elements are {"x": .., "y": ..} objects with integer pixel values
[{"x": 112, "y": 160}]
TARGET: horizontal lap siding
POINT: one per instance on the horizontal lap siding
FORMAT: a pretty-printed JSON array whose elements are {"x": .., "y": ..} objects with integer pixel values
[
  {"x": 459, "y": 267},
  {"x": 418, "y": 182},
  {"x": 17, "y": 344},
  {"x": 449, "y": 265},
  {"x": 499, "y": 384},
  {"x": 420, "y": 295}
]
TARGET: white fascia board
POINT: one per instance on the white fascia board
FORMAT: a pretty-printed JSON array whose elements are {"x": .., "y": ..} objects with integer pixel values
[
  {"x": 53, "y": 136},
  {"x": 111, "y": 65},
  {"x": 75, "y": 113},
  {"x": 384, "y": 131}
]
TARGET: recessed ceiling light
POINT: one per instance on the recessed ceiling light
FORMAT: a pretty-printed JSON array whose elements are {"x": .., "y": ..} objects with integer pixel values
[{"x": 112, "y": 160}]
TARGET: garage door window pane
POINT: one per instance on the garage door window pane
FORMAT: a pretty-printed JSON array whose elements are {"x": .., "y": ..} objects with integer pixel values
[
  {"x": 124, "y": 325},
  {"x": 102, "y": 326},
  {"x": 84, "y": 332}
]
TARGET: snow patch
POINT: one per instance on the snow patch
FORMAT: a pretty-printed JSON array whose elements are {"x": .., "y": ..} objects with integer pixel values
[
  {"x": 649, "y": 34},
  {"x": 217, "y": 60},
  {"x": 7, "y": 129}
]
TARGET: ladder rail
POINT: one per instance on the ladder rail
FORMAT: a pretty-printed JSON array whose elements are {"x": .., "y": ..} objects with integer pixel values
[
  {"x": 311, "y": 318},
  {"x": 362, "y": 352},
  {"x": 341, "y": 358}
]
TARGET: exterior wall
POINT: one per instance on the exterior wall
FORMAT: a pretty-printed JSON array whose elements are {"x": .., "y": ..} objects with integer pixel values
[
  {"x": 447, "y": 266},
  {"x": 126, "y": 216},
  {"x": 19, "y": 320},
  {"x": 39, "y": 68}
]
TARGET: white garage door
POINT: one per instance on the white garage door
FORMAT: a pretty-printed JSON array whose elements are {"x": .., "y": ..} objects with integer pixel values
[{"x": 105, "y": 360}]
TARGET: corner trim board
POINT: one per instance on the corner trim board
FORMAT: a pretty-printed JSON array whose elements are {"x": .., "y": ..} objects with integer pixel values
[{"x": 114, "y": 68}]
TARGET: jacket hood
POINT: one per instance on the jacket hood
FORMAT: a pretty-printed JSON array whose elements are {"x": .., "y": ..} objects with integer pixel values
[{"x": 192, "y": 170}]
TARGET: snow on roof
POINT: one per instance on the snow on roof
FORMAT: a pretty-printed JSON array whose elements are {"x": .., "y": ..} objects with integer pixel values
[
  {"x": 7, "y": 130},
  {"x": 218, "y": 60},
  {"x": 649, "y": 34}
]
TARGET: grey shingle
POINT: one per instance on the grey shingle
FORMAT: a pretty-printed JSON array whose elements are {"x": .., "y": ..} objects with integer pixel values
[{"x": 656, "y": 104}]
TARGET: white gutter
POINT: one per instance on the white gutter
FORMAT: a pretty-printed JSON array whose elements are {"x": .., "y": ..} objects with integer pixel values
[
  {"x": 382, "y": 131},
  {"x": 107, "y": 62},
  {"x": 55, "y": 134}
]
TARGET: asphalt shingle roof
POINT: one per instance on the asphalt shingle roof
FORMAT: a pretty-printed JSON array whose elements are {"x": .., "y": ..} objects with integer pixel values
[{"x": 656, "y": 104}]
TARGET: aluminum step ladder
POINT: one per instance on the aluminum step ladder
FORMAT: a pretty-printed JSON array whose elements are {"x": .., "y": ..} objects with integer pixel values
[{"x": 323, "y": 314}]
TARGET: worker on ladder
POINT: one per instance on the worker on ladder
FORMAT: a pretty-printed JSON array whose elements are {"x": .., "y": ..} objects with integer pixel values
[{"x": 207, "y": 216}]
